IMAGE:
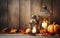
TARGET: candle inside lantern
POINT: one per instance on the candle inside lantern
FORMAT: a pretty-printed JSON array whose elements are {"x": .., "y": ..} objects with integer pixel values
[
  {"x": 34, "y": 30},
  {"x": 44, "y": 24}
]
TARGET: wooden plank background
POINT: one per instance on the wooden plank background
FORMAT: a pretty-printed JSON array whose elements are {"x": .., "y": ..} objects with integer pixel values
[{"x": 17, "y": 13}]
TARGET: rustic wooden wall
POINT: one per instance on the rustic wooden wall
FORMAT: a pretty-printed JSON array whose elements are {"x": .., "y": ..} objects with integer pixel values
[
  {"x": 13, "y": 13},
  {"x": 25, "y": 12},
  {"x": 17, "y": 13},
  {"x": 3, "y": 13}
]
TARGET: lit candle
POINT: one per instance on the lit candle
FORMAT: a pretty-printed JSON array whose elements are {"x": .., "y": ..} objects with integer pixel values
[
  {"x": 34, "y": 30},
  {"x": 44, "y": 24}
]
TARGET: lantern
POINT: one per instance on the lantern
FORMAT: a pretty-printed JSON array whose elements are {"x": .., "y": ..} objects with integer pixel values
[
  {"x": 44, "y": 17},
  {"x": 33, "y": 23}
]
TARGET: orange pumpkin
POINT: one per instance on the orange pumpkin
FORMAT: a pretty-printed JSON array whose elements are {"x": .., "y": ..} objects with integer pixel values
[{"x": 53, "y": 28}]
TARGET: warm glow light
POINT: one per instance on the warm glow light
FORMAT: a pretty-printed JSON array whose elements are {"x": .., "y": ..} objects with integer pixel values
[
  {"x": 34, "y": 30},
  {"x": 44, "y": 24},
  {"x": 13, "y": 30},
  {"x": 28, "y": 30}
]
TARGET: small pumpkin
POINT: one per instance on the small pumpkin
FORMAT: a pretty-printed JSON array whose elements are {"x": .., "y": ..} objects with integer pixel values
[{"x": 53, "y": 28}]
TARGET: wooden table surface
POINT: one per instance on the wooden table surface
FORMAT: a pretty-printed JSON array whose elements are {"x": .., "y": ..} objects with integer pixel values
[{"x": 24, "y": 36}]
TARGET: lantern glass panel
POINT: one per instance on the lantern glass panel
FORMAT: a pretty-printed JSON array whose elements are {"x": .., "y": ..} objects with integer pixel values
[{"x": 44, "y": 16}]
